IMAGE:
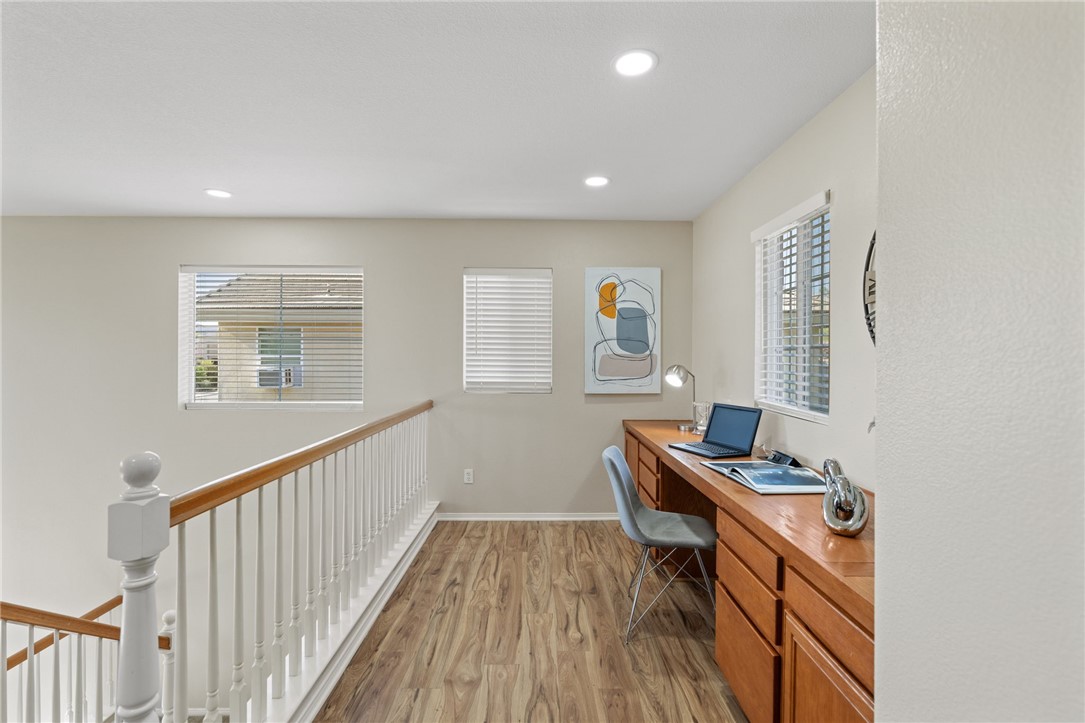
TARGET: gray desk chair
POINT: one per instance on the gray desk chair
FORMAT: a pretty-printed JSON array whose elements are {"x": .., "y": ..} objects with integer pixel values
[{"x": 652, "y": 528}]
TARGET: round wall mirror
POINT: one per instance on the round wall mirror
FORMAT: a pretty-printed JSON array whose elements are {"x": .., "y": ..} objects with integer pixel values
[{"x": 869, "y": 288}]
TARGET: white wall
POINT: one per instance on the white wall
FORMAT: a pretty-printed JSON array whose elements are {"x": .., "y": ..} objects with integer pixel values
[
  {"x": 980, "y": 362},
  {"x": 90, "y": 345},
  {"x": 834, "y": 151}
]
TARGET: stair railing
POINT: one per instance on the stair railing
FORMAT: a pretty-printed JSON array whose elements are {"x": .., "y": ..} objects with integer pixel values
[
  {"x": 355, "y": 506},
  {"x": 57, "y": 664},
  {"x": 328, "y": 520}
]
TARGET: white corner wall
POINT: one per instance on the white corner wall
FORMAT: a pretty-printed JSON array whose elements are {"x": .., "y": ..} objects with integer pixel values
[
  {"x": 981, "y": 546},
  {"x": 90, "y": 370},
  {"x": 834, "y": 151}
]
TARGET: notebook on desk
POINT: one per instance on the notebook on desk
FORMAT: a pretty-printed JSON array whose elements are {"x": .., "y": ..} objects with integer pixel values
[{"x": 729, "y": 433}]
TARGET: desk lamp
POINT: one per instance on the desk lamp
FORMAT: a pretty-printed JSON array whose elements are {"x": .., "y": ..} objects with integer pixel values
[{"x": 677, "y": 376}]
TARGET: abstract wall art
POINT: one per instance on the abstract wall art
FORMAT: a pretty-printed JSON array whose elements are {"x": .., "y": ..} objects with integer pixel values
[{"x": 621, "y": 330}]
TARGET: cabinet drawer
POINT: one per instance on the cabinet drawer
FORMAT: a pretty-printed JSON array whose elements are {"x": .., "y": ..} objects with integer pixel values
[
  {"x": 751, "y": 666},
  {"x": 648, "y": 479},
  {"x": 646, "y": 498},
  {"x": 816, "y": 687},
  {"x": 758, "y": 556},
  {"x": 836, "y": 631},
  {"x": 759, "y": 603},
  {"x": 648, "y": 458}
]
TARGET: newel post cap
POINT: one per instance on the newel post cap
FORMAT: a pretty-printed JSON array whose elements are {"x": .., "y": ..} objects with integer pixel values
[{"x": 139, "y": 524}]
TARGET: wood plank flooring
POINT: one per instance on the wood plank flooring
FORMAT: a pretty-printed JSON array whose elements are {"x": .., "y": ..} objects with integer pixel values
[{"x": 523, "y": 621}]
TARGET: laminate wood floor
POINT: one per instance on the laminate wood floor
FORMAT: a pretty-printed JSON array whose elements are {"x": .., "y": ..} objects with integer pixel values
[{"x": 523, "y": 621}]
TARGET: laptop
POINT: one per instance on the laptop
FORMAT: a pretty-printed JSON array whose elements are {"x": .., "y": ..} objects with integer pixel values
[{"x": 729, "y": 433}]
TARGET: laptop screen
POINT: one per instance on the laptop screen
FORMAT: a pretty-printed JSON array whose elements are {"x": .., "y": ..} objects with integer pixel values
[{"x": 732, "y": 426}]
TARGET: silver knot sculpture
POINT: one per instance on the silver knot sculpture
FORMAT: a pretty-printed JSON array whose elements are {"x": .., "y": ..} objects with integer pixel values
[{"x": 844, "y": 507}]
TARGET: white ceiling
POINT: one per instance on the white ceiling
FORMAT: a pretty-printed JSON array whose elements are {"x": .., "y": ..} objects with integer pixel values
[{"x": 428, "y": 110}]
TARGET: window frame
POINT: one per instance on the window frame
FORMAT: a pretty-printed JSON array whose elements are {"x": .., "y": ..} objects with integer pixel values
[
  {"x": 781, "y": 229},
  {"x": 187, "y": 333},
  {"x": 543, "y": 383}
]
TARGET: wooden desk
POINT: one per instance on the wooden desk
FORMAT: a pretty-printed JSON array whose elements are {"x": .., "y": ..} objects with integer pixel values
[{"x": 795, "y": 603}]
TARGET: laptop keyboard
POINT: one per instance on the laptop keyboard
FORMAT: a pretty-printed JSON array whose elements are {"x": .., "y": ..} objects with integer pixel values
[{"x": 716, "y": 449}]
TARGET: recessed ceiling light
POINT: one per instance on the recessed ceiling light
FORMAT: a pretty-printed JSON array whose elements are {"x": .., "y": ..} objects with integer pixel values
[
  {"x": 217, "y": 193},
  {"x": 596, "y": 181},
  {"x": 635, "y": 62}
]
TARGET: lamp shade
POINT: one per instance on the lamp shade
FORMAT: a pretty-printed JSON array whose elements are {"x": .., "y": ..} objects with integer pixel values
[{"x": 677, "y": 375}]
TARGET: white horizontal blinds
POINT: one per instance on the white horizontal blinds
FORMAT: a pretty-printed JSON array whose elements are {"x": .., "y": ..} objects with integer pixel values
[
  {"x": 507, "y": 330},
  {"x": 794, "y": 284},
  {"x": 275, "y": 335}
]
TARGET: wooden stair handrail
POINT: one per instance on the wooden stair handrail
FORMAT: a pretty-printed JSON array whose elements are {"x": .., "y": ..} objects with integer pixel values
[
  {"x": 195, "y": 502},
  {"x": 84, "y": 625}
]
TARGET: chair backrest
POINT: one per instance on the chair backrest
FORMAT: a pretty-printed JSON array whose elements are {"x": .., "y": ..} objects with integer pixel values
[{"x": 625, "y": 493}]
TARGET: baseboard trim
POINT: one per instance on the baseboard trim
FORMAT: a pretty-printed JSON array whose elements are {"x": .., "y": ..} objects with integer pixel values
[{"x": 527, "y": 516}]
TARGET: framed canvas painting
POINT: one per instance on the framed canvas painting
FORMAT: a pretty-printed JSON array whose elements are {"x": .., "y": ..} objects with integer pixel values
[{"x": 621, "y": 330}]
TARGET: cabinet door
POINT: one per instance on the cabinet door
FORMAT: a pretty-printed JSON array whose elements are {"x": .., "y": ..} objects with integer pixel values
[
  {"x": 816, "y": 686},
  {"x": 750, "y": 665}
]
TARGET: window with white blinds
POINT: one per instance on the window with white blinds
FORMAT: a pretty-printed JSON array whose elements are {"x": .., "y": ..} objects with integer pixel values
[
  {"x": 793, "y": 317},
  {"x": 270, "y": 336},
  {"x": 507, "y": 330}
]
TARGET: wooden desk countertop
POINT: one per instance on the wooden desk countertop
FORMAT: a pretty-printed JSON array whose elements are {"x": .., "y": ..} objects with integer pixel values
[{"x": 842, "y": 567}]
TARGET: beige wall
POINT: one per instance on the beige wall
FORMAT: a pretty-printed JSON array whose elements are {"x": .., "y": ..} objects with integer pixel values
[
  {"x": 90, "y": 369},
  {"x": 981, "y": 243},
  {"x": 834, "y": 151}
]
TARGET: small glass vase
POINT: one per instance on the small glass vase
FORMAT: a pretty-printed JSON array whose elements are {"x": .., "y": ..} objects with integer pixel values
[{"x": 700, "y": 416}]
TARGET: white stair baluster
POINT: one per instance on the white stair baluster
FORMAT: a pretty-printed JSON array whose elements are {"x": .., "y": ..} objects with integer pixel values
[
  {"x": 99, "y": 709},
  {"x": 169, "y": 628},
  {"x": 57, "y": 715},
  {"x": 4, "y": 673},
  {"x": 356, "y": 520},
  {"x": 239, "y": 692},
  {"x": 347, "y": 587},
  {"x": 69, "y": 689},
  {"x": 293, "y": 638},
  {"x": 322, "y": 589},
  {"x": 112, "y": 666},
  {"x": 367, "y": 510},
  {"x": 371, "y": 514},
  {"x": 278, "y": 651},
  {"x": 138, "y": 532},
  {"x": 381, "y": 496},
  {"x": 81, "y": 679},
  {"x": 19, "y": 710},
  {"x": 309, "y": 616},
  {"x": 386, "y": 494},
  {"x": 180, "y": 634},
  {"x": 259, "y": 666},
  {"x": 211, "y": 706},
  {"x": 31, "y": 695},
  {"x": 333, "y": 545},
  {"x": 401, "y": 468},
  {"x": 356, "y": 557}
]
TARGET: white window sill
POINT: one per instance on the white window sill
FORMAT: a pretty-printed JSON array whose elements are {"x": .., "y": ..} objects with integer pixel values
[
  {"x": 297, "y": 406},
  {"x": 804, "y": 414}
]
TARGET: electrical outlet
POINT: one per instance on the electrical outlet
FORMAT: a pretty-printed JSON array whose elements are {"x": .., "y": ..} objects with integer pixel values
[{"x": 469, "y": 476}]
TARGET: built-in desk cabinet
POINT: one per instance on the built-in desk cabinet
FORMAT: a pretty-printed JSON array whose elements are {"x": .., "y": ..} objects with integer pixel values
[
  {"x": 790, "y": 651},
  {"x": 644, "y": 465},
  {"x": 810, "y": 663}
]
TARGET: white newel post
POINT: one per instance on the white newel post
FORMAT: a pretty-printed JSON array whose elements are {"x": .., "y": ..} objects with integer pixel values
[{"x": 139, "y": 527}]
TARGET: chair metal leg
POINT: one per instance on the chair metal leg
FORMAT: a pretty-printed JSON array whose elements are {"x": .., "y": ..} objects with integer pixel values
[
  {"x": 640, "y": 581},
  {"x": 704, "y": 574}
]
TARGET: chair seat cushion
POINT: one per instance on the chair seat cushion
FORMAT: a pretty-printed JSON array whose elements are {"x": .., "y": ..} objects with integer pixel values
[{"x": 672, "y": 529}]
